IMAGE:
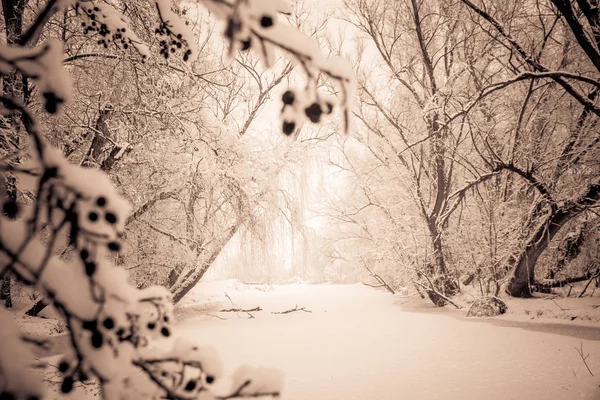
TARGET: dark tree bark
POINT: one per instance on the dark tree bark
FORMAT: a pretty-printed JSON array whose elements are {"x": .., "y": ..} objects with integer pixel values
[
  {"x": 523, "y": 279},
  {"x": 36, "y": 308},
  {"x": 191, "y": 279}
]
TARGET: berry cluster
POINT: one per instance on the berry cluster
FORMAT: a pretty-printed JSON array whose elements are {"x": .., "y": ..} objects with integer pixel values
[
  {"x": 97, "y": 23},
  {"x": 237, "y": 32},
  {"x": 292, "y": 106},
  {"x": 171, "y": 43},
  {"x": 70, "y": 372},
  {"x": 95, "y": 215}
]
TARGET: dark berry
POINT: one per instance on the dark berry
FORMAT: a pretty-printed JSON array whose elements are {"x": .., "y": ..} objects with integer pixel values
[
  {"x": 165, "y": 332},
  {"x": 97, "y": 339},
  {"x": 108, "y": 323},
  {"x": 67, "y": 385},
  {"x": 84, "y": 254},
  {"x": 114, "y": 246},
  {"x": 266, "y": 21},
  {"x": 110, "y": 218},
  {"x": 313, "y": 112},
  {"x": 288, "y": 97},
  {"x": 52, "y": 102},
  {"x": 151, "y": 325},
  {"x": 101, "y": 201},
  {"x": 93, "y": 216},
  {"x": 90, "y": 268},
  {"x": 191, "y": 385},
  {"x": 246, "y": 44},
  {"x": 63, "y": 366},
  {"x": 329, "y": 108},
  {"x": 210, "y": 379},
  {"x": 166, "y": 318},
  {"x": 11, "y": 209},
  {"x": 288, "y": 127}
]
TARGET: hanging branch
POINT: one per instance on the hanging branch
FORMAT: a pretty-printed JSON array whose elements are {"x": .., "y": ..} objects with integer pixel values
[{"x": 382, "y": 283}]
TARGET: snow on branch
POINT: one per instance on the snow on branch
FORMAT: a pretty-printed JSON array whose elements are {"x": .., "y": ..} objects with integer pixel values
[
  {"x": 121, "y": 336},
  {"x": 43, "y": 64},
  {"x": 253, "y": 24},
  {"x": 113, "y": 326}
]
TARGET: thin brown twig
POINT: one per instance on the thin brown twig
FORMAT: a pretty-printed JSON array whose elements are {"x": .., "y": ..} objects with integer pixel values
[{"x": 584, "y": 358}]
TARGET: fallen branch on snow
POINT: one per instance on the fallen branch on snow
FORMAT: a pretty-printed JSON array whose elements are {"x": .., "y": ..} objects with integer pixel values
[
  {"x": 235, "y": 308},
  {"x": 241, "y": 309},
  {"x": 292, "y": 310},
  {"x": 432, "y": 289}
]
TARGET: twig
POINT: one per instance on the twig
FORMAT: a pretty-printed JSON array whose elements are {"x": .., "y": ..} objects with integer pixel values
[
  {"x": 41, "y": 343},
  {"x": 379, "y": 278},
  {"x": 235, "y": 308},
  {"x": 374, "y": 286},
  {"x": 584, "y": 358},
  {"x": 432, "y": 289},
  {"x": 558, "y": 305},
  {"x": 241, "y": 309},
  {"x": 597, "y": 274},
  {"x": 292, "y": 310}
]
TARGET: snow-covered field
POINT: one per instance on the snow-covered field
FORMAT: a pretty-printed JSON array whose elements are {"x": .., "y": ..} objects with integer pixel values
[{"x": 358, "y": 344}]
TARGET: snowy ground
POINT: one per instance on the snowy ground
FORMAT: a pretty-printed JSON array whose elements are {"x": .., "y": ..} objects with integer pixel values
[
  {"x": 362, "y": 343},
  {"x": 358, "y": 343}
]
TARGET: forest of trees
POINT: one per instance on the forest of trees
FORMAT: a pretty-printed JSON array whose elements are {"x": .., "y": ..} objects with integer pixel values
[
  {"x": 477, "y": 157},
  {"x": 462, "y": 150}
]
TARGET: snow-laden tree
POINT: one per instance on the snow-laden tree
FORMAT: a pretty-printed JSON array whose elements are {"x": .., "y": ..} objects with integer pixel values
[{"x": 120, "y": 336}]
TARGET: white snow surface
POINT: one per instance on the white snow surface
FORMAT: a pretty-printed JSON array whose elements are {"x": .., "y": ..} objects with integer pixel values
[{"x": 358, "y": 344}]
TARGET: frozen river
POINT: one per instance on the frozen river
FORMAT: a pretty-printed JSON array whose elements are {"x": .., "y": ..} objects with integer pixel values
[{"x": 357, "y": 344}]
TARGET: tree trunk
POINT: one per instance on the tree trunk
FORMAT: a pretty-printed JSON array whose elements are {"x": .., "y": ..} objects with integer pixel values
[
  {"x": 192, "y": 277},
  {"x": 524, "y": 273},
  {"x": 443, "y": 282}
]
